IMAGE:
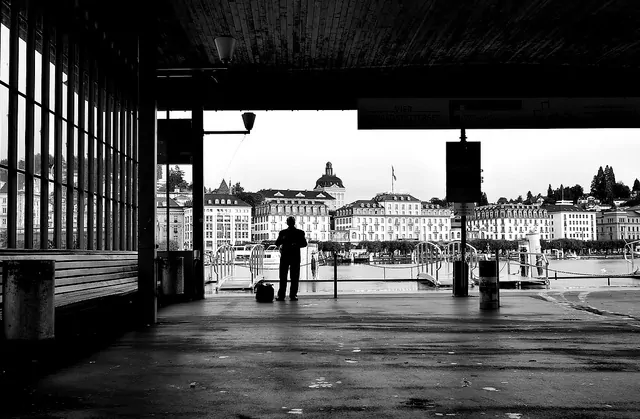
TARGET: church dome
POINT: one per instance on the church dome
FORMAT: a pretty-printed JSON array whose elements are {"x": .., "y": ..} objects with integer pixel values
[{"x": 329, "y": 179}]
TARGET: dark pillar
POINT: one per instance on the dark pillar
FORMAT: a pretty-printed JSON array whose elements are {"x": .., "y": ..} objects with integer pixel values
[
  {"x": 147, "y": 137},
  {"x": 197, "y": 115}
]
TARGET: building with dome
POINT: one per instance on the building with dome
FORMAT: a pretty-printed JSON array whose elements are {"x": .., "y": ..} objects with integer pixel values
[{"x": 333, "y": 185}]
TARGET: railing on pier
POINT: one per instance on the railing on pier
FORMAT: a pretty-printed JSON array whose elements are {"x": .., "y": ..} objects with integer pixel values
[
  {"x": 428, "y": 257},
  {"x": 222, "y": 263},
  {"x": 256, "y": 263},
  {"x": 526, "y": 267},
  {"x": 631, "y": 253}
]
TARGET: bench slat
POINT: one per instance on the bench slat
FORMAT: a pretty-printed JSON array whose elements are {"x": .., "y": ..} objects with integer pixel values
[
  {"x": 70, "y": 257},
  {"x": 77, "y": 297},
  {"x": 95, "y": 285},
  {"x": 67, "y": 273},
  {"x": 67, "y": 282},
  {"x": 95, "y": 263}
]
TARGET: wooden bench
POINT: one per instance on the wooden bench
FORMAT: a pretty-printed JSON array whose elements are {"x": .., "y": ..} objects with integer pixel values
[{"x": 83, "y": 276}]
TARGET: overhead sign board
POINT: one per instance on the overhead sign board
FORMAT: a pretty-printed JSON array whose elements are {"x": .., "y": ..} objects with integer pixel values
[
  {"x": 463, "y": 172},
  {"x": 463, "y": 208},
  {"x": 496, "y": 113}
]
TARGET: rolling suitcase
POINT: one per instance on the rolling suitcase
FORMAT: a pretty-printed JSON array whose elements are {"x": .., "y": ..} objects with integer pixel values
[{"x": 264, "y": 292}]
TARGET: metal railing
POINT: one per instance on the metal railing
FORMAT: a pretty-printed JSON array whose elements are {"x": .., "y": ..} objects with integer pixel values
[
  {"x": 631, "y": 252},
  {"x": 222, "y": 263}
]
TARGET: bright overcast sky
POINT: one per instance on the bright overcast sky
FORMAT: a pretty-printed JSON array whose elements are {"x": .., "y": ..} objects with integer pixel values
[{"x": 289, "y": 150}]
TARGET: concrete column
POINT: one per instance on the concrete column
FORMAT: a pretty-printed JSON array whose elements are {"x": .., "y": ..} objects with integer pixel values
[
  {"x": 147, "y": 141},
  {"x": 28, "y": 308},
  {"x": 197, "y": 115}
]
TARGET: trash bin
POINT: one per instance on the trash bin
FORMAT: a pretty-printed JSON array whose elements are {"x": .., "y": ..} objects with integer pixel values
[
  {"x": 172, "y": 276},
  {"x": 489, "y": 288}
]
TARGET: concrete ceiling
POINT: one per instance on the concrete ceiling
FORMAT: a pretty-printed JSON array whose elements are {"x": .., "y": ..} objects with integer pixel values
[{"x": 309, "y": 54}]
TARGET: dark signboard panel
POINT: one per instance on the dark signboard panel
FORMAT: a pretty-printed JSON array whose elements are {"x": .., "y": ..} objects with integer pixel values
[
  {"x": 478, "y": 113},
  {"x": 464, "y": 175},
  {"x": 175, "y": 141}
]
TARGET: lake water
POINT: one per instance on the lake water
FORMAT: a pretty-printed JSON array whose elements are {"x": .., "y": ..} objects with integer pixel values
[{"x": 364, "y": 278}]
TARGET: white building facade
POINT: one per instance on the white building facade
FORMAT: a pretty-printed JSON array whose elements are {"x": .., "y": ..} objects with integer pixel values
[
  {"x": 227, "y": 221},
  {"x": 508, "y": 222},
  {"x": 393, "y": 217},
  {"x": 310, "y": 209},
  {"x": 568, "y": 221},
  {"x": 619, "y": 224}
]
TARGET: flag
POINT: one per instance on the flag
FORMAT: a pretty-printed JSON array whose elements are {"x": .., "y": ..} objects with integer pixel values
[{"x": 393, "y": 173}]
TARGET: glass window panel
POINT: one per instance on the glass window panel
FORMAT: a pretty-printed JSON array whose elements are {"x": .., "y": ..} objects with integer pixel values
[
  {"x": 85, "y": 228},
  {"x": 22, "y": 66},
  {"x": 3, "y": 209},
  {"x": 85, "y": 166},
  {"x": 38, "y": 70},
  {"x": 116, "y": 176},
  {"x": 4, "y": 54},
  {"x": 103, "y": 242},
  {"x": 52, "y": 145},
  {"x": 87, "y": 111},
  {"x": 50, "y": 203},
  {"x": 21, "y": 213},
  {"x": 4, "y": 124},
  {"x": 22, "y": 114},
  {"x": 95, "y": 121},
  {"x": 63, "y": 152},
  {"x": 75, "y": 107},
  {"x": 95, "y": 222},
  {"x": 108, "y": 168},
  {"x": 52, "y": 86},
  {"x": 36, "y": 212},
  {"x": 75, "y": 157},
  {"x": 37, "y": 140},
  {"x": 63, "y": 217},
  {"x": 65, "y": 79},
  {"x": 74, "y": 225},
  {"x": 179, "y": 114}
]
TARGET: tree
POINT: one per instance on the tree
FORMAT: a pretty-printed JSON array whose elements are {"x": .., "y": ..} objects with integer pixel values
[
  {"x": 159, "y": 172},
  {"x": 502, "y": 200},
  {"x": 610, "y": 181},
  {"x": 550, "y": 192},
  {"x": 598, "y": 185},
  {"x": 438, "y": 201},
  {"x": 483, "y": 199},
  {"x": 636, "y": 185},
  {"x": 176, "y": 179},
  {"x": 620, "y": 190},
  {"x": 529, "y": 199},
  {"x": 519, "y": 199}
]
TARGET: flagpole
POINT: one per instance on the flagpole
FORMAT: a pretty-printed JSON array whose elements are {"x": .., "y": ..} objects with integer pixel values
[{"x": 392, "y": 179}]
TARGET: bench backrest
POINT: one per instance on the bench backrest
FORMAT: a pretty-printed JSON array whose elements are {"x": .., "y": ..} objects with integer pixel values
[{"x": 84, "y": 275}]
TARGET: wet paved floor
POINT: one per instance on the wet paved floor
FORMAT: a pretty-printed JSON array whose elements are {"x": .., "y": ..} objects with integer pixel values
[{"x": 364, "y": 356}]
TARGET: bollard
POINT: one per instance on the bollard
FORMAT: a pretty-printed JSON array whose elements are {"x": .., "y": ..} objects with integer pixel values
[
  {"x": 28, "y": 300},
  {"x": 460, "y": 279},
  {"x": 489, "y": 290}
]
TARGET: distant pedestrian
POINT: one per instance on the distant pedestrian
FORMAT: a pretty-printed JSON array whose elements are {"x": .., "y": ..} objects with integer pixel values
[
  {"x": 313, "y": 266},
  {"x": 539, "y": 265},
  {"x": 290, "y": 241}
]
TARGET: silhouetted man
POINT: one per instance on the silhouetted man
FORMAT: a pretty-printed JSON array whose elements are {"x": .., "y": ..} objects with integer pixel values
[{"x": 290, "y": 240}]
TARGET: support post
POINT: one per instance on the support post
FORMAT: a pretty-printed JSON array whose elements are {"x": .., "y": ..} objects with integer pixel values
[
  {"x": 461, "y": 280},
  {"x": 197, "y": 121},
  {"x": 147, "y": 288},
  {"x": 335, "y": 274}
]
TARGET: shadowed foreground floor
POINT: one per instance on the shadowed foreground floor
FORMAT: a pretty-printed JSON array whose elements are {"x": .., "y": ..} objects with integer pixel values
[{"x": 373, "y": 356}]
